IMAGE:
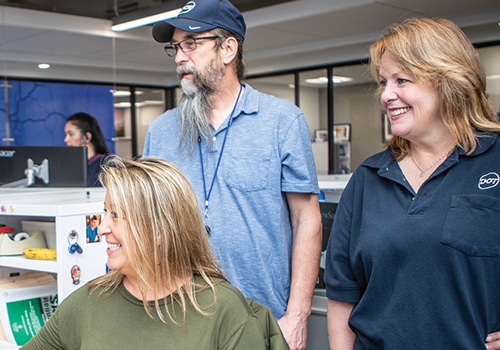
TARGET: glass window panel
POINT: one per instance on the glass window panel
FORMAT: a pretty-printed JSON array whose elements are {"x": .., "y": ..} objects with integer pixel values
[
  {"x": 281, "y": 86},
  {"x": 122, "y": 121},
  {"x": 314, "y": 103},
  {"x": 37, "y": 111},
  {"x": 150, "y": 103},
  {"x": 490, "y": 57},
  {"x": 355, "y": 105}
]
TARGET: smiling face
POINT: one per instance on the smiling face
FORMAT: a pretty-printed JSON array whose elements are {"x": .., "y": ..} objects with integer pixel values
[
  {"x": 115, "y": 233},
  {"x": 412, "y": 106}
]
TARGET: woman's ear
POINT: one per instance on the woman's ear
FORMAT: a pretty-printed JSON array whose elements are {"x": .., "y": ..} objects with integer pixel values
[{"x": 88, "y": 136}]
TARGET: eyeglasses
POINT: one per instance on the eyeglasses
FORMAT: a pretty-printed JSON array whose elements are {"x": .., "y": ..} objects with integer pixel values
[{"x": 186, "y": 45}]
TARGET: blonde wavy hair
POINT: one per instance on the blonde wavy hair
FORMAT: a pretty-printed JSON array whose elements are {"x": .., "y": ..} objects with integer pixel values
[
  {"x": 158, "y": 213},
  {"x": 438, "y": 51}
]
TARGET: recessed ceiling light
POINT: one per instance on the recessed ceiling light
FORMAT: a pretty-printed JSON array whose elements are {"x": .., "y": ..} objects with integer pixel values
[{"x": 44, "y": 66}]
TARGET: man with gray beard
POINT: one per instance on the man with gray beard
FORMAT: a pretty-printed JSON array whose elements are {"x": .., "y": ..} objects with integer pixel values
[{"x": 248, "y": 156}]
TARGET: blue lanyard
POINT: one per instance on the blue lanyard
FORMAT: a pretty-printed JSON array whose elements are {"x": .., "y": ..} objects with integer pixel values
[{"x": 207, "y": 194}]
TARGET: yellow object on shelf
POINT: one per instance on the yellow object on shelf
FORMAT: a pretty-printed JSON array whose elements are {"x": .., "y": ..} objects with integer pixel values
[{"x": 40, "y": 253}]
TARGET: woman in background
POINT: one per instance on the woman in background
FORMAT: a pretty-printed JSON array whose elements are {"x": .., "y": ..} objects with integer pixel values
[
  {"x": 413, "y": 258},
  {"x": 164, "y": 290},
  {"x": 82, "y": 129}
]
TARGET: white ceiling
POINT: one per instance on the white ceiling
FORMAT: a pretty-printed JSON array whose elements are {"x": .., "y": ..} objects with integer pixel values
[{"x": 294, "y": 34}]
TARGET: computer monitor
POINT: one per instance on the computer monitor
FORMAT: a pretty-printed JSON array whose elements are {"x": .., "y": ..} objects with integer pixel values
[
  {"x": 328, "y": 210},
  {"x": 49, "y": 166}
]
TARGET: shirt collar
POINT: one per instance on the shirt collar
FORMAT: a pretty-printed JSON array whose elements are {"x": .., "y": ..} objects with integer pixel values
[
  {"x": 249, "y": 101},
  {"x": 485, "y": 141}
]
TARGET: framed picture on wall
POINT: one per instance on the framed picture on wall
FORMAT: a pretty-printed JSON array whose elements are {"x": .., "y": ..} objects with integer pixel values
[
  {"x": 342, "y": 132},
  {"x": 321, "y": 135},
  {"x": 386, "y": 128}
]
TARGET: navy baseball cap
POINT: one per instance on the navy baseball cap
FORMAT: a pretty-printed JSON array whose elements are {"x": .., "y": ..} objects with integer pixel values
[{"x": 201, "y": 16}]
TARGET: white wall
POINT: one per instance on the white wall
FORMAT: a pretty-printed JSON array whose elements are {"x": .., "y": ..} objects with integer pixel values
[{"x": 145, "y": 115}]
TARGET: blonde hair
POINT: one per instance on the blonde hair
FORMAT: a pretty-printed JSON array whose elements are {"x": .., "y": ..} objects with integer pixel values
[
  {"x": 438, "y": 51},
  {"x": 159, "y": 216}
]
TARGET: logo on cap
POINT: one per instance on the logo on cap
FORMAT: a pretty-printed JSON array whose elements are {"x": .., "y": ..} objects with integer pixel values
[{"x": 187, "y": 8}]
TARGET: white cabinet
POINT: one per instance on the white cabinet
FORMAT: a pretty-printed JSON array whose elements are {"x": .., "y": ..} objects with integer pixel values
[{"x": 68, "y": 209}]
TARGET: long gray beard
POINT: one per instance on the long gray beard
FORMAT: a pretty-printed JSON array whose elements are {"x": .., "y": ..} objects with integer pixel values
[
  {"x": 195, "y": 111},
  {"x": 195, "y": 106}
]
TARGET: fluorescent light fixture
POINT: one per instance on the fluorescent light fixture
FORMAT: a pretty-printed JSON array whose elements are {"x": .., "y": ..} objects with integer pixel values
[
  {"x": 153, "y": 103},
  {"x": 323, "y": 80},
  {"x": 124, "y": 93},
  {"x": 44, "y": 66},
  {"x": 147, "y": 16},
  {"x": 138, "y": 104},
  {"x": 339, "y": 80},
  {"x": 120, "y": 93},
  {"x": 122, "y": 105}
]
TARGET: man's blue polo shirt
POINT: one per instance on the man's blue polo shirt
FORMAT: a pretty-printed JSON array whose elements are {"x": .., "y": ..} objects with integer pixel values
[
  {"x": 423, "y": 268},
  {"x": 267, "y": 153}
]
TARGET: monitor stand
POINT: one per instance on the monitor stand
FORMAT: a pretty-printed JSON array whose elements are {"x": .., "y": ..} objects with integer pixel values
[{"x": 32, "y": 172}]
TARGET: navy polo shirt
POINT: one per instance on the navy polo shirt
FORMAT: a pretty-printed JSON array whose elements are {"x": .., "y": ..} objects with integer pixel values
[{"x": 423, "y": 269}]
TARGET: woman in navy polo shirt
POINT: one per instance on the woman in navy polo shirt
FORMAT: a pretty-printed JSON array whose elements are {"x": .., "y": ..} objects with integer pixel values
[{"x": 414, "y": 255}]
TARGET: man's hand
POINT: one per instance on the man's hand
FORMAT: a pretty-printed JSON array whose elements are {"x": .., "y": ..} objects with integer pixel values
[{"x": 294, "y": 329}]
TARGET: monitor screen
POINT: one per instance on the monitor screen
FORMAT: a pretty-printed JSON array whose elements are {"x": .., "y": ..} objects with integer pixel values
[{"x": 51, "y": 166}]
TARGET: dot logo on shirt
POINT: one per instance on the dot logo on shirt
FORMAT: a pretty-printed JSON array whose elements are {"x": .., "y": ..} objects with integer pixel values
[{"x": 489, "y": 180}]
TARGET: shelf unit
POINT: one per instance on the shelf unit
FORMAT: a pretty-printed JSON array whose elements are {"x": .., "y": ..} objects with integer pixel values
[{"x": 68, "y": 209}]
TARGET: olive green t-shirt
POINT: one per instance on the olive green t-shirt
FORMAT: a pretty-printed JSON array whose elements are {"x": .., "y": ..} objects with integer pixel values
[{"x": 119, "y": 321}]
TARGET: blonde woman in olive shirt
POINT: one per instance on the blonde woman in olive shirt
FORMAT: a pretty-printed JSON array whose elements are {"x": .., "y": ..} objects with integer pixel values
[{"x": 164, "y": 290}]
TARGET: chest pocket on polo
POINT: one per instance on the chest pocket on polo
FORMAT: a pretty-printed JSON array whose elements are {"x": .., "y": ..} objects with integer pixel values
[
  {"x": 248, "y": 169},
  {"x": 472, "y": 225}
]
